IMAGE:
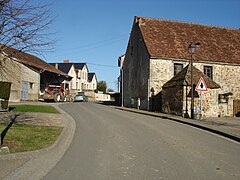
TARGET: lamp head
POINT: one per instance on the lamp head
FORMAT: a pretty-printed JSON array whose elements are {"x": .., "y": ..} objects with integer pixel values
[{"x": 192, "y": 47}]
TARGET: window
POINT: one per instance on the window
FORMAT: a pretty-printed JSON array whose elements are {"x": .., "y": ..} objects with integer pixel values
[
  {"x": 223, "y": 98},
  {"x": 77, "y": 85},
  {"x": 177, "y": 68},
  {"x": 208, "y": 71},
  {"x": 30, "y": 85}
]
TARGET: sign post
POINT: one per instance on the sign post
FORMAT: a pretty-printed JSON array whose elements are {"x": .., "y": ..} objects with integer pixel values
[{"x": 201, "y": 86}]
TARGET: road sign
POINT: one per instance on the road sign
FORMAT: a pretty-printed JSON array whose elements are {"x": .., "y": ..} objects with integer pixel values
[{"x": 201, "y": 86}]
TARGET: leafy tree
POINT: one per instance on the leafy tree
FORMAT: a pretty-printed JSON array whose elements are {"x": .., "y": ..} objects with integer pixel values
[{"x": 102, "y": 86}]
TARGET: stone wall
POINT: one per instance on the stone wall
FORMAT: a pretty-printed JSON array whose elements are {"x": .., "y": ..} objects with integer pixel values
[
  {"x": 11, "y": 71},
  {"x": 33, "y": 79},
  {"x": 136, "y": 71},
  {"x": 15, "y": 73},
  {"x": 226, "y": 75},
  {"x": 161, "y": 71},
  {"x": 172, "y": 100}
]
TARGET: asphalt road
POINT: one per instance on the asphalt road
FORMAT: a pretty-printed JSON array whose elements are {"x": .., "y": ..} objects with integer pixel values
[{"x": 114, "y": 144}]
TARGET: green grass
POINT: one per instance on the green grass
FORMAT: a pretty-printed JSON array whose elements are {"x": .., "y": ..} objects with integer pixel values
[
  {"x": 33, "y": 108},
  {"x": 21, "y": 137}
]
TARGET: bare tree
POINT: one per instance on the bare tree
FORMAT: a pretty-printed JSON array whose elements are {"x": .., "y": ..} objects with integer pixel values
[{"x": 24, "y": 25}]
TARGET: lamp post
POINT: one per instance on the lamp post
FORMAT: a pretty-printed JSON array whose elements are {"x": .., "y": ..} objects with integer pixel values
[{"x": 191, "y": 49}]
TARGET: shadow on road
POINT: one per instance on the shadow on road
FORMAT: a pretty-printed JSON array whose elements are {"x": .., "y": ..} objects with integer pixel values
[{"x": 108, "y": 103}]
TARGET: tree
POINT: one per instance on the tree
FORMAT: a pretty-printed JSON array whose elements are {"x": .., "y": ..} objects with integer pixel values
[
  {"x": 24, "y": 25},
  {"x": 102, "y": 86}
]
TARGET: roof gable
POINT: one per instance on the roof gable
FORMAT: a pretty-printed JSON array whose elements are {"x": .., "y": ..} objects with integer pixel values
[
  {"x": 183, "y": 78},
  {"x": 65, "y": 67},
  {"x": 91, "y": 76},
  {"x": 170, "y": 39},
  {"x": 79, "y": 66}
]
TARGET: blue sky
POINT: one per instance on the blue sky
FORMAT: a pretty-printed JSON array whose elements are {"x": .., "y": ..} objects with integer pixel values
[{"x": 97, "y": 31}]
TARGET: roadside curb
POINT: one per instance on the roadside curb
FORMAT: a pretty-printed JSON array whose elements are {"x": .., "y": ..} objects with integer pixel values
[
  {"x": 42, "y": 161},
  {"x": 169, "y": 117}
]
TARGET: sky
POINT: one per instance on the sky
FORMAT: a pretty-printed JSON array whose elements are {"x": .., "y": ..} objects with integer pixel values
[{"x": 97, "y": 31}]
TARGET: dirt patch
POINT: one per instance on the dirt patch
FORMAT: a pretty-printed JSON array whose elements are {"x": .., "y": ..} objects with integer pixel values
[{"x": 40, "y": 119}]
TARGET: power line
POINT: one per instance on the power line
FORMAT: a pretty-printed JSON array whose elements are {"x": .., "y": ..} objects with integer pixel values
[
  {"x": 104, "y": 65},
  {"x": 93, "y": 46}
]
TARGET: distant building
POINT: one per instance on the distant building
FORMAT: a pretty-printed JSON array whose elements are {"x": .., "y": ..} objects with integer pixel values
[
  {"x": 157, "y": 52},
  {"x": 82, "y": 80}
]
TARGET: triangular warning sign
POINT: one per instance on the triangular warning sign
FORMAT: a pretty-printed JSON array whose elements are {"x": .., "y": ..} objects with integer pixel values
[{"x": 201, "y": 86}]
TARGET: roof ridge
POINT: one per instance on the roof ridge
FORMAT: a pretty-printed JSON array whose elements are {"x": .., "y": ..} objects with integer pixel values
[{"x": 185, "y": 22}]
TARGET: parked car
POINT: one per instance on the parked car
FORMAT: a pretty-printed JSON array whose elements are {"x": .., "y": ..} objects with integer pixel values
[{"x": 80, "y": 98}]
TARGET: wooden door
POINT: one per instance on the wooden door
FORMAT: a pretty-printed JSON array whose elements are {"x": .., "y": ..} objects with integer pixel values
[{"x": 236, "y": 108}]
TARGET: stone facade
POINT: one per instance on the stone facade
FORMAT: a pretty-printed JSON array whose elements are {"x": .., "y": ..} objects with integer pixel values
[
  {"x": 155, "y": 45},
  {"x": 173, "y": 100},
  {"x": 226, "y": 75},
  {"x": 16, "y": 73},
  {"x": 136, "y": 72}
]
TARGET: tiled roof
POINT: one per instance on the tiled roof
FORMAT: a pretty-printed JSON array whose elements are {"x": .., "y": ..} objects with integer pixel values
[
  {"x": 184, "y": 78},
  {"x": 170, "y": 39},
  {"x": 31, "y": 60}
]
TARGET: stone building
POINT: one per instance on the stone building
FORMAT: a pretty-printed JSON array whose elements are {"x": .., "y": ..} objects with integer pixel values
[
  {"x": 27, "y": 73},
  {"x": 158, "y": 50}
]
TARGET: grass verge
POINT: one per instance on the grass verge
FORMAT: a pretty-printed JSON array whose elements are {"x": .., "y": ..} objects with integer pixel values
[
  {"x": 21, "y": 137},
  {"x": 33, "y": 108}
]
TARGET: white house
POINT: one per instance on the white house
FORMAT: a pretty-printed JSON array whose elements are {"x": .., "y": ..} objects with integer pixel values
[{"x": 82, "y": 80}]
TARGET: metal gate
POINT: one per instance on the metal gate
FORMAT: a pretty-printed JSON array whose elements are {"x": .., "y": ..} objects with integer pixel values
[
  {"x": 24, "y": 95},
  {"x": 236, "y": 108}
]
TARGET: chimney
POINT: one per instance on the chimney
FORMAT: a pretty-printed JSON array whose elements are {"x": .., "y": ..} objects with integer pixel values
[
  {"x": 56, "y": 65},
  {"x": 66, "y": 61}
]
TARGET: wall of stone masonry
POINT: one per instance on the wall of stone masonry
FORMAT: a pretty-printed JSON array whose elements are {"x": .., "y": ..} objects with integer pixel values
[
  {"x": 161, "y": 71},
  {"x": 11, "y": 71},
  {"x": 226, "y": 75},
  {"x": 14, "y": 72},
  {"x": 136, "y": 71},
  {"x": 31, "y": 77},
  {"x": 172, "y": 100}
]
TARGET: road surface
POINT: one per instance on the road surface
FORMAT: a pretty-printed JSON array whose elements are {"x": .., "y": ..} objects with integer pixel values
[{"x": 113, "y": 144}]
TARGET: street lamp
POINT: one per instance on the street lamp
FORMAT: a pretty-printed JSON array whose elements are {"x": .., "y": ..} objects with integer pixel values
[{"x": 191, "y": 49}]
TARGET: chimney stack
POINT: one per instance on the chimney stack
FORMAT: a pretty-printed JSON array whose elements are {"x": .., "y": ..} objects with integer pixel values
[
  {"x": 56, "y": 65},
  {"x": 66, "y": 61}
]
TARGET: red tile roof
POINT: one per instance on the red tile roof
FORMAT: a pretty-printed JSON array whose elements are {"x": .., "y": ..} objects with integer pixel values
[
  {"x": 31, "y": 60},
  {"x": 170, "y": 39}
]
